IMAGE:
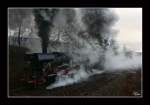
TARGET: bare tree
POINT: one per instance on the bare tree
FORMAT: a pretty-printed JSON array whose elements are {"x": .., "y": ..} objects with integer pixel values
[{"x": 16, "y": 20}]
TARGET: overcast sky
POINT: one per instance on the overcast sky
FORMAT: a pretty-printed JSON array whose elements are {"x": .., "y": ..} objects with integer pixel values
[{"x": 129, "y": 27}]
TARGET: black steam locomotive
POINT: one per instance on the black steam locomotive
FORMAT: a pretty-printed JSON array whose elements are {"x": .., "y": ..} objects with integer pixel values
[{"x": 44, "y": 66}]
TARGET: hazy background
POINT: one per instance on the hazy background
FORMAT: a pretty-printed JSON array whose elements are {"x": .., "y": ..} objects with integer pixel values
[{"x": 129, "y": 27}]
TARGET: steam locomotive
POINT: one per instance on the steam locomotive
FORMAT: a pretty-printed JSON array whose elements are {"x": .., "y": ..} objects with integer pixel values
[{"x": 44, "y": 66}]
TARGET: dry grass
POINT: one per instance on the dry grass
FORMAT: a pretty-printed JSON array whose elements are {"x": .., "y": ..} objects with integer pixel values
[{"x": 124, "y": 84}]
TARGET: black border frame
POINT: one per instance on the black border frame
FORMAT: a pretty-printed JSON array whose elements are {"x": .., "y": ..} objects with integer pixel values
[{"x": 58, "y": 3}]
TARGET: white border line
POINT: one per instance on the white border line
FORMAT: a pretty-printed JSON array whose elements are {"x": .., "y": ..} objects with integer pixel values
[{"x": 141, "y": 96}]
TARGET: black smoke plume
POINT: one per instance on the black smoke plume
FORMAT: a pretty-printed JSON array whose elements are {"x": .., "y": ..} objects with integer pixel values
[
  {"x": 44, "y": 21},
  {"x": 98, "y": 24}
]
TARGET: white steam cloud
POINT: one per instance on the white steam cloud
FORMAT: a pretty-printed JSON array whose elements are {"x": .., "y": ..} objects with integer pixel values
[
  {"x": 121, "y": 62},
  {"x": 92, "y": 53},
  {"x": 75, "y": 76}
]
